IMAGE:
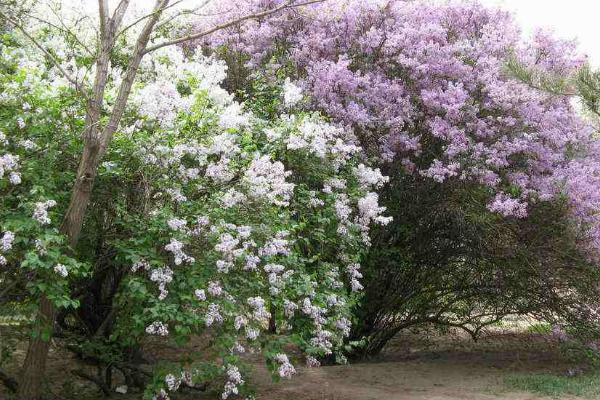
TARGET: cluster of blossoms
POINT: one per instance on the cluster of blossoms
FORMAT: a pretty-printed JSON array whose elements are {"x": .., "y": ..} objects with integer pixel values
[
  {"x": 8, "y": 165},
  {"x": 286, "y": 369},
  {"x": 6, "y": 244},
  {"x": 225, "y": 246},
  {"x": 234, "y": 379},
  {"x": 40, "y": 212},
  {"x": 424, "y": 86},
  {"x": 292, "y": 94},
  {"x": 266, "y": 179},
  {"x": 61, "y": 270}
]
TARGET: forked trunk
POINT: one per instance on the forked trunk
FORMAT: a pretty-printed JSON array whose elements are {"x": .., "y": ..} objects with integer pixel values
[{"x": 97, "y": 141}]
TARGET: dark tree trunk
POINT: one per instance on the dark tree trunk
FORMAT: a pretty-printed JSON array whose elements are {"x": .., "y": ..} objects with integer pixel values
[{"x": 31, "y": 382}]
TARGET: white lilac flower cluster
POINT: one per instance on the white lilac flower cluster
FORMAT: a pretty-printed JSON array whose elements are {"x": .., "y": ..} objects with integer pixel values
[
  {"x": 355, "y": 276},
  {"x": 173, "y": 383},
  {"x": 61, "y": 270},
  {"x": 157, "y": 328},
  {"x": 370, "y": 212},
  {"x": 9, "y": 164},
  {"x": 7, "y": 240},
  {"x": 213, "y": 315},
  {"x": 286, "y": 369},
  {"x": 321, "y": 139},
  {"x": 266, "y": 179},
  {"x": 40, "y": 212},
  {"x": 292, "y": 94},
  {"x": 162, "y": 276},
  {"x": 321, "y": 339},
  {"x": 259, "y": 312},
  {"x": 369, "y": 177},
  {"x": 234, "y": 380},
  {"x": 176, "y": 247},
  {"x": 6, "y": 244}
]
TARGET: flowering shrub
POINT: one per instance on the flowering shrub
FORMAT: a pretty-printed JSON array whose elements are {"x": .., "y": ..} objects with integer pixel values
[
  {"x": 243, "y": 229},
  {"x": 38, "y": 131},
  {"x": 428, "y": 89},
  {"x": 246, "y": 221}
]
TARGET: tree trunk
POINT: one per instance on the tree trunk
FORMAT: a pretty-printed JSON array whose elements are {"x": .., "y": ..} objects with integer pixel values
[
  {"x": 82, "y": 191},
  {"x": 30, "y": 385}
]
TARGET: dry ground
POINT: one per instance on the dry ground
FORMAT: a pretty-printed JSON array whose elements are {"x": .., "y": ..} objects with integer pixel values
[
  {"x": 416, "y": 366},
  {"x": 425, "y": 367}
]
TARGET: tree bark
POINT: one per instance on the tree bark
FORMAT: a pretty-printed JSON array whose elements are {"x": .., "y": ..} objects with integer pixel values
[
  {"x": 82, "y": 192},
  {"x": 31, "y": 382}
]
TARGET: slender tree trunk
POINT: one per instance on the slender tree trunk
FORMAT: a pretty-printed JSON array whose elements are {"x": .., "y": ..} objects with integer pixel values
[
  {"x": 96, "y": 144},
  {"x": 34, "y": 366},
  {"x": 31, "y": 382},
  {"x": 82, "y": 192}
]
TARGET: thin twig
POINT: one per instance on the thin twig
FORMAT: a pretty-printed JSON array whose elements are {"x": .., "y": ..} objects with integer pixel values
[
  {"x": 137, "y": 21},
  {"x": 287, "y": 4}
]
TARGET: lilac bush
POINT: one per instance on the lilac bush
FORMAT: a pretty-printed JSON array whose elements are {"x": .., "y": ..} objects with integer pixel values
[{"x": 425, "y": 86}]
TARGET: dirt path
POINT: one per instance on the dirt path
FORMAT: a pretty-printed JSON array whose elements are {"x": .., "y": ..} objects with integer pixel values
[
  {"x": 413, "y": 380},
  {"x": 439, "y": 368}
]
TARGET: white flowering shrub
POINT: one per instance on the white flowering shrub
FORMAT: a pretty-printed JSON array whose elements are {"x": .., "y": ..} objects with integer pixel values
[
  {"x": 244, "y": 229},
  {"x": 39, "y": 122},
  {"x": 248, "y": 225}
]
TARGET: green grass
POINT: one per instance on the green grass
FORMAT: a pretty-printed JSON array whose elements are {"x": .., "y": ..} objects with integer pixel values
[
  {"x": 556, "y": 385},
  {"x": 540, "y": 327}
]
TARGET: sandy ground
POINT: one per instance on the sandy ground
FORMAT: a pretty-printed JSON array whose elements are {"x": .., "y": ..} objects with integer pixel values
[
  {"x": 418, "y": 368},
  {"x": 415, "y": 366}
]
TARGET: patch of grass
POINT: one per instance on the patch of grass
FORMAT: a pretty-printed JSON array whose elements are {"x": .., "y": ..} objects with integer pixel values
[
  {"x": 540, "y": 327},
  {"x": 556, "y": 385}
]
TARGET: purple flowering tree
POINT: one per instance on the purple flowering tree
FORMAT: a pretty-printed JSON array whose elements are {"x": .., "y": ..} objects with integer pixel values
[{"x": 428, "y": 91}]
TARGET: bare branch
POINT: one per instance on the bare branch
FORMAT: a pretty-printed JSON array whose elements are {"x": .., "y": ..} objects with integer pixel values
[
  {"x": 122, "y": 3},
  {"x": 193, "y": 11},
  {"x": 287, "y": 4},
  {"x": 137, "y": 21},
  {"x": 118, "y": 15}
]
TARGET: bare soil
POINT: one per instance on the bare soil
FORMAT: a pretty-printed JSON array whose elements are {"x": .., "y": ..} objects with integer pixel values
[{"x": 427, "y": 367}]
